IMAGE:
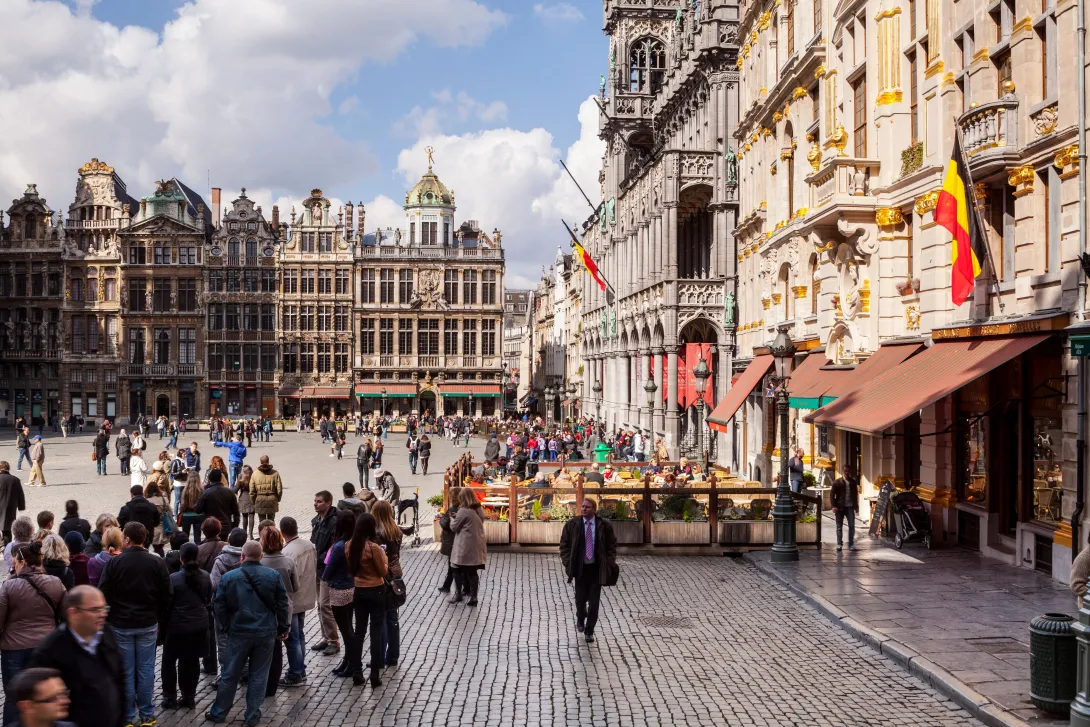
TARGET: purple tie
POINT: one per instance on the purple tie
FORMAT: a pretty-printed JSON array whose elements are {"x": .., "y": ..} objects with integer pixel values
[{"x": 589, "y": 555}]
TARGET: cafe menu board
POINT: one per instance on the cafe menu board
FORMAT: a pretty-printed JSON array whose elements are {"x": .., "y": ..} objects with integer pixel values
[{"x": 881, "y": 507}]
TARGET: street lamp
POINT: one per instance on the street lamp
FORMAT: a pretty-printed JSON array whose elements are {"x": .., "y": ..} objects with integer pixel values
[
  {"x": 784, "y": 546},
  {"x": 701, "y": 372},
  {"x": 472, "y": 411},
  {"x": 571, "y": 395},
  {"x": 548, "y": 405},
  {"x": 597, "y": 389},
  {"x": 649, "y": 387},
  {"x": 383, "y": 401}
]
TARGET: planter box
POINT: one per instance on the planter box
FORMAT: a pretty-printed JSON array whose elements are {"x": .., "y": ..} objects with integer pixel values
[
  {"x": 678, "y": 532},
  {"x": 497, "y": 532},
  {"x": 436, "y": 531},
  {"x": 761, "y": 532},
  {"x": 537, "y": 532},
  {"x": 628, "y": 532}
]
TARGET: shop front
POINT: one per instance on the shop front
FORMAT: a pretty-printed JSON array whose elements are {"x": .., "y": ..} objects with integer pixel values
[
  {"x": 974, "y": 425},
  {"x": 472, "y": 399},
  {"x": 392, "y": 399},
  {"x": 328, "y": 401}
]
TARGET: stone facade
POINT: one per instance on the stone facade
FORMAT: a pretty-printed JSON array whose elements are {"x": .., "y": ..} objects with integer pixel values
[
  {"x": 557, "y": 326},
  {"x": 663, "y": 233}
]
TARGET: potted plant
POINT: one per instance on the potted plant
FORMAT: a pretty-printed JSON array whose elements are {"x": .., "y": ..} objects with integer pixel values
[
  {"x": 748, "y": 525},
  {"x": 679, "y": 520},
  {"x": 436, "y": 503},
  {"x": 496, "y": 529},
  {"x": 545, "y": 526},
  {"x": 806, "y": 530},
  {"x": 626, "y": 527}
]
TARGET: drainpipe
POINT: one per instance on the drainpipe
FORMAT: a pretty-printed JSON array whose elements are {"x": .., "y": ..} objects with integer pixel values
[
  {"x": 1080, "y": 456},
  {"x": 1080, "y": 312}
]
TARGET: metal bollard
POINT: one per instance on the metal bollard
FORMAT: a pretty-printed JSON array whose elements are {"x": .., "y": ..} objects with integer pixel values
[
  {"x": 1052, "y": 661},
  {"x": 1080, "y": 707}
]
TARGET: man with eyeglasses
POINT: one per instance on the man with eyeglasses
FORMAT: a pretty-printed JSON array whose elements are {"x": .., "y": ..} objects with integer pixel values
[
  {"x": 84, "y": 654},
  {"x": 41, "y": 698}
]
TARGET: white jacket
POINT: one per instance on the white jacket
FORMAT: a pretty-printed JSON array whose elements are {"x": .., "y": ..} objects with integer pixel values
[{"x": 138, "y": 468}]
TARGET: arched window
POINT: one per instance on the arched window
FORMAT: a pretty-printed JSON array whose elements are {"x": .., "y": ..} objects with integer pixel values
[
  {"x": 648, "y": 65},
  {"x": 251, "y": 250}
]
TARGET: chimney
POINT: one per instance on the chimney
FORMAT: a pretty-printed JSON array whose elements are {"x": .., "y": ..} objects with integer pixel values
[
  {"x": 361, "y": 216},
  {"x": 276, "y": 216},
  {"x": 216, "y": 192},
  {"x": 349, "y": 220}
]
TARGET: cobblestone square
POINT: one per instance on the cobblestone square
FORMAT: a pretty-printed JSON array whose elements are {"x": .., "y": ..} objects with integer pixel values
[{"x": 682, "y": 641}]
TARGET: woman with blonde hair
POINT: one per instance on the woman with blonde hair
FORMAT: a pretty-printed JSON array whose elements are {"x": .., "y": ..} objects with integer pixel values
[
  {"x": 111, "y": 546},
  {"x": 389, "y": 536},
  {"x": 55, "y": 560},
  {"x": 470, "y": 551},
  {"x": 216, "y": 463},
  {"x": 93, "y": 546}
]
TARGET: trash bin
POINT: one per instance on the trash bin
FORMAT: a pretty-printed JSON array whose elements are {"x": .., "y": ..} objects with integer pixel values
[
  {"x": 601, "y": 452},
  {"x": 1052, "y": 662}
]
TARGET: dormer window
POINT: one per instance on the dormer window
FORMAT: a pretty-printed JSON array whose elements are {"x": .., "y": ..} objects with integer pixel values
[
  {"x": 233, "y": 226},
  {"x": 251, "y": 226},
  {"x": 648, "y": 66}
]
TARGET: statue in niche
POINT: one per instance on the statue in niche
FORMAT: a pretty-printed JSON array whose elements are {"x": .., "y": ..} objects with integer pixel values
[
  {"x": 732, "y": 166},
  {"x": 613, "y": 323},
  {"x": 147, "y": 300},
  {"x": 848, "y": 278},
  {"x": 605, "y": 324},
  {"x": 728, "y": 311},
  {"x": 602, "y": 86}
]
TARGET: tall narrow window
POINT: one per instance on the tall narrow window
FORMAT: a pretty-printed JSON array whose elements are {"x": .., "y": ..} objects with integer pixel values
[
  {"x": 136, "y": 345},
  {"x": 818, "y": 10},
  {"x": 386, "y": 285},
  {"x": 488, "y": 287},
  {"x": 488, "y": 337},
  {"x": 77, "y": 334},
  {"x": 450, "y": 286},
  {"x": 367, "y": 336},
  {"x": 912, "y": 19},
  {"x": 367, "y": 285},
  {"x": 790, "y": 28},
  {"x": 404, "y": 285},
  {"x": 469, "y": 287},
  {"x": 469, "y": 337},
  {"x": 859, "y": 108},
  {"x": 913, "y": 98},
  {"x": 187, "y": 345},
  {"x": 648, "y": 66},
  {"x": 450, "y": 337},
  {"x": 386, "y": 336},
  {"x": 405, "y": 336}
]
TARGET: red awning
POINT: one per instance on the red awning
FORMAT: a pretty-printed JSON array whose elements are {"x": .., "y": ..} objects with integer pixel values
[
  {"x": 752, "y": 376},
  {"x": 805, "y": 373},
  {"x": 391, "y": 389},
  {"x": 325, "y": 392},
  {"x": 289, "y": 393},
  {"x": 830, "y": 382},
  {"x": 477, "y": 389},
  {"x": 920, "y": 381}
]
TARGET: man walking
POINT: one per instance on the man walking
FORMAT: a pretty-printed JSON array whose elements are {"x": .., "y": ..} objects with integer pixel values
[
  {"x": 844, "y": 496},
  {"x": 85, "y": 654},
  {"x": 12, "y": 500},
  {"x": 235, "y": 458},
  {"x": 251, "y": 604},
  {"x": 363, "y": 464},
  {"x": 22, "y": 444},
  {"x": 322, "y": 528},
  {"x": 588, "y": 550},
  {"x": 137, "y": 588},
  {"x": 37, "y": 461},
  {"x": 414, "y": 455},
  {"x": 304, "y": 556},
  {"x": 266, "y": 490}
]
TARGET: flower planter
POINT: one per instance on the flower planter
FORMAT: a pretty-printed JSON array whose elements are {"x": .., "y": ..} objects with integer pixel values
[
  {"x": 497, "y": 532},
  {"x": 539, "y": 532},
  {"x": 628, "y": 532},
  {"x": 436, "y": 531},
  {"x": 806, "y": 532},
  {"x": 761, "y": 532},
  {"x": 679, "y": 532}
]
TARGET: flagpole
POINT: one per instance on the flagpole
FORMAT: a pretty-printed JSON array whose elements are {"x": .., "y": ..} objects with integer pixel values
[
  {"x": 610, "y": 290},
  {"x": 981, "y": 230}
]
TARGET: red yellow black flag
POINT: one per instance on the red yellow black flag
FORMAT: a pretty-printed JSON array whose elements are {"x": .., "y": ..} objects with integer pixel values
[{"x": 954, "y": 213}]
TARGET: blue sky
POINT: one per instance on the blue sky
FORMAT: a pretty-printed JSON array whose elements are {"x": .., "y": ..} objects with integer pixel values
[{"x": 281, "y": 96}]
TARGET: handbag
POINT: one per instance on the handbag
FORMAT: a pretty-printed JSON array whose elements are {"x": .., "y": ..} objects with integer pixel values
[
  {"x": 167, "y": 523},
  {"x": 94, "y": 455},
  {"x": 396, "y": 593}
]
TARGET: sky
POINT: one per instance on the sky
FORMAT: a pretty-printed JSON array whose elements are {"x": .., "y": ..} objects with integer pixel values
[{"x": 283, "y": 96}]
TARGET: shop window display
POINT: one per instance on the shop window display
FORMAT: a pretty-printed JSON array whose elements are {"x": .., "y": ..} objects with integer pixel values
[
  {"x": 974, "y": 432},
  {"x": 1047, "y": 470}
]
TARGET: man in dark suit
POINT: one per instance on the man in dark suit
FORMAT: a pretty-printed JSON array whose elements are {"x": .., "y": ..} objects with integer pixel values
[
  {"x": 139, "y": 510},
  {"x": 844, "y": 496},
  {"x": 588, "y": 549},
  {"x": 85, "y": 653}
]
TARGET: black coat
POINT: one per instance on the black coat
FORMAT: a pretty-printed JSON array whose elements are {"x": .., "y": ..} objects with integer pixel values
[
  {"x": 189, "y": 607},
  {"x": 96, "y": 684},
  {"x": 137, "y": 588},
  {"x": 102, "y": 446},
  {"x": 140, "y": 510},
  {"x": 61, "y": 571},
  {"x": 219, "y": 502},
  {"x": 446, "y": 546},
  {"x": 11, "y": 499},
  {"x": 123, "y": 447},
  {"x": 321, "y": 534},
  {"x": 845, "y": 493},
  {"x": 93, "y": 546},
  {"x": 77, "y": 524},
  {"x": 573, "y": 543}
]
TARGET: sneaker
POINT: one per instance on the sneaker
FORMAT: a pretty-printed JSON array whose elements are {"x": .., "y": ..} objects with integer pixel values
[
  {"x": 590, "y": 638},
  {"x": 851, "y": 547},
  {"x": 320, "y": 645},
  {"x": 839, "y": 548},
  {"x": 579, "y": 627},
  {"x": 331, "y": 649},
  {"x": 290, "y": 681},
  {"x": 147, "y": 721}
]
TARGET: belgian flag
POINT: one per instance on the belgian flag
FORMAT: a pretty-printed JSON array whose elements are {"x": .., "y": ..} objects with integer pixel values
[
  {"x": 588, "y": 263},
  {"x": 953, "y": 212}
]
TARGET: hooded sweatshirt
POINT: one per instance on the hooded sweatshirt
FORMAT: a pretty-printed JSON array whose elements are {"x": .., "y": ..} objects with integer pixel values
[
  {"x": 96, "y": 565},
  {"x": 229, "y": 559}
]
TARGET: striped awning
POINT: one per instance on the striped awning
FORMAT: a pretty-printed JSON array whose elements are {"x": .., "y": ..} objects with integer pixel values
[
  {"x": 325, "y": 392},
  {"x": 752, "y": 376},
  {"x": 463, "y": 390},
  {"x": 393, "y": 391}
]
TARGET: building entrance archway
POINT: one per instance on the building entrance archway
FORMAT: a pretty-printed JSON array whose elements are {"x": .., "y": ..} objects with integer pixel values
[{"x": 162, "y": 406}]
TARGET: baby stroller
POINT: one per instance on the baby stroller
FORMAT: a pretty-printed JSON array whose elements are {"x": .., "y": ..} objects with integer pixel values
[
  {"x": 912, "y": 518},
  {"x": 408, "y": 518}
]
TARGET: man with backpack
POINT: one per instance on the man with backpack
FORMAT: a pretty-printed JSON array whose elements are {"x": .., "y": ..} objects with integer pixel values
[{"x": 411, "y": 444}]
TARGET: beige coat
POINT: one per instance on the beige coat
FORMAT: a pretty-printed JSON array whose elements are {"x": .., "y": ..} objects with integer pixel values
[
  {"x": 470, "y": 547},
  {"x": 1080, "y": 574},
  {"x": 302, "y": 552},
  {"x": 266, "y": 489}
]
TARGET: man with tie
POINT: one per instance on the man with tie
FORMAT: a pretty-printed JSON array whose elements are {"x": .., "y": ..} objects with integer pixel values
[{"x": 588, "y": 549}]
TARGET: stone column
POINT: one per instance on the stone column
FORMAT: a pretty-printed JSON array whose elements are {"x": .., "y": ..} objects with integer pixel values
[
  {"x": 658, "y": 423},
  {"x": 645, "y": 373},
  {"x": 724, "y": 370},
  {"x": 673, "y": 423},
  {"x": 669, "y": 269}
]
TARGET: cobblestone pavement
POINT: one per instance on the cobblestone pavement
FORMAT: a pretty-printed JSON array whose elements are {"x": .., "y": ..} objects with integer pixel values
[{"x": 685, "y": 641}]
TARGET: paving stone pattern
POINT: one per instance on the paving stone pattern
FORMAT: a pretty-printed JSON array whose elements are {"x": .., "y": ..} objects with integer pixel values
[{"x": 682, "y": 641}]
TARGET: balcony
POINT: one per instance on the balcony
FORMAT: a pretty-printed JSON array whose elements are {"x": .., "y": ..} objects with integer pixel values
[
  {"x": 21, "y": 355},
  {"x": 842, "y": 183},
  {"x": 162, "y": 371},
  {"x": 93, "y": 224},
  {"x": 249, "y": 377},
  {"x": 429, "y": 362},
  {"x": 990, "y": 133},
  {"x": 430, "y": 253}
]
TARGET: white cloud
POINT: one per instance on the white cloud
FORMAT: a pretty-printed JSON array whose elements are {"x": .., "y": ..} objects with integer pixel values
[
  {"x": 241, "y": 88},
  {"x": 558, "y": 13},
  {"x": 460, "y": 107},
  {"x": 512, "y": 180}
]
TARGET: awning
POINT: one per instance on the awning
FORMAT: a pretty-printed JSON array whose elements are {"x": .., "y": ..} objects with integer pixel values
[
  {"x": 804, "y": 374},
  {"x": 325, "y": 392},
  {"x": 830, "y": 382},
  {"x": 393, "y": 391},
  {"x": 920, "y": 381},
  {"x": 752, "y": 376},
  {"x": 463, "y": 390},
  {"x": 289, "y": 393}
]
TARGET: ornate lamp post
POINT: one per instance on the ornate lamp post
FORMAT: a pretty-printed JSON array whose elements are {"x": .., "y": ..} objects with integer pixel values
[
  {"x": 571, "y": 395},
  {"x": 649, "y": 387},
  {"x": 701, "y": 372},
  {"x": 548, "y": 405},
  {"x": 784, "y": 547},
  {"x": 383, "y": 392},
  {"x": 503, "y": 390},
  {"x": 472, "y": 411},
  {"x": 597, "y": 389}
]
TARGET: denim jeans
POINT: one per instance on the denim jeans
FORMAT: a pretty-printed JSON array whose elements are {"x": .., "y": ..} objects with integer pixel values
[
  {"x": 137, "y": 648},
  {"x": 391, "y": 637},
  {"x": 124, "y": 465},
  {"x": 178, "y": 487},
  {"x": 842, "y": 514},
  {"x": 173, "y": 444},
  {"x": 23, "y": 452},
  {"x": 12, "y": 661},
  {"x": 414, "y": 458},
  {"x": 100, "y": 465},
  {"x": 297, "y": 666},
  {"x": 234, "y": 469},
  {"x": 257, "y": 649}
]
